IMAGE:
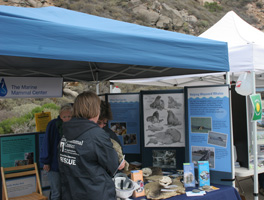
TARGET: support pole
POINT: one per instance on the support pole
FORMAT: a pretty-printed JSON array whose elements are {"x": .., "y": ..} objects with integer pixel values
[
  {"x": 97, "y": 84},
  {"x": 231, "y": 129},
  {"x": 111, "y": 87},
  {"x": 255, "y": 151}
]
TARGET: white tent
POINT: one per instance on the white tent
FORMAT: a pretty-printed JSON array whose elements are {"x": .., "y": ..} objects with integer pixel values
[
  {"x": 245, "y": 48},
  {"x": 245, "y": 43}
]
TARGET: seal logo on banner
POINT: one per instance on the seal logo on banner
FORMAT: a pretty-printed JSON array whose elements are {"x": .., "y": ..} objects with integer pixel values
[{"x": 3, "y": 88}]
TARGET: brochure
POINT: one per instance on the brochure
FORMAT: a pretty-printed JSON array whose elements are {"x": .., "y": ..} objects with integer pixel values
[
  {"x": 192, "y": 194},
  {"x": 203, "y": 173},
  {"x": 120, "y": 164},
  {"x": 189, "y": 177}
]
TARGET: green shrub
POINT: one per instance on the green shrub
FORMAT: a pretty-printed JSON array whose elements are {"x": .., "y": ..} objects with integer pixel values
[
  {"x": 2, "y": 131},
  {"x": 9, "y": 125},
  {"x": 203, "y": 23},
  {"x": 213, "y": 7},
  {"x": 51, "y": 106}
]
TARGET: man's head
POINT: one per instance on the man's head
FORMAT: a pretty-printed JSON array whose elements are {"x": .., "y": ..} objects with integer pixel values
[
  {"x": 105, "y": 114},
  {"x": 66, "y": 112}
]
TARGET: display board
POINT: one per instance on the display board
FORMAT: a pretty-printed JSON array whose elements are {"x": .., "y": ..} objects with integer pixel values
[
  {"x": 21, "y": 186},
  {"x": 209, "y": 135},
  {"x": 21, "y": 149},
  {"x": 17, "y": 150},
  {"x": 163, "y": 129},
  {"x": 163, "y": 118},
  {"x": 126, "y": 120}
]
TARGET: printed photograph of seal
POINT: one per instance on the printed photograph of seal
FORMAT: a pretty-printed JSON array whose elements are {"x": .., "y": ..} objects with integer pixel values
[
  {"x": 203, "y": 154},
  {"x": 201, "y": 124},
  {"x": 218, "y": 139}
]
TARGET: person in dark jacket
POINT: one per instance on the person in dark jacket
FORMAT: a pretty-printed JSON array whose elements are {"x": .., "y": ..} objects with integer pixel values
[
  {"x": 87, "y": 159},
  {"x": 49, "y": 153},
  {"x": 105, "y": 115}
]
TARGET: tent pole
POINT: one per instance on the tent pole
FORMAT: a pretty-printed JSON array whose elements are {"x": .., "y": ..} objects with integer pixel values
[
  {"x": 228, "y": 78},
  {"x": 97, "y": 84},
  {"x": 255, "y": 151},
  {"x": 111, "y": 87},
  {"x": 97, "y": 88},
  {"x": 231, "y": 130}
]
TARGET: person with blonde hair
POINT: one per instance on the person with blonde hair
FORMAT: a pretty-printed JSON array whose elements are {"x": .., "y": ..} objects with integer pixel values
[
  {"x": 49, "y": 153},
  {"x": 87, "y": 159}
]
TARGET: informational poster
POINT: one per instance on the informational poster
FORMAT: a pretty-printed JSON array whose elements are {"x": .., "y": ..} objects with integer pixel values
[
  {"x": 17, "y": 150},
  {"x": 21, "y": 186},
  {"x": 164, "y": 124},
  {"x": 126, "y": 120},
  {"x": 209, "y": 126},
  {"x": 42, "y": 120}
]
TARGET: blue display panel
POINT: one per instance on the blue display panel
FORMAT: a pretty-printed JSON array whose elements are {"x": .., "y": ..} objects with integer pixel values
[
  {"x": 126, "y": 120},
  {"x": 209, "y": 127}
]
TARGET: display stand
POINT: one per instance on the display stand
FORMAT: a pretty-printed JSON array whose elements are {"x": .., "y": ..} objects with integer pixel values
[{"x": 209, "y": 130}]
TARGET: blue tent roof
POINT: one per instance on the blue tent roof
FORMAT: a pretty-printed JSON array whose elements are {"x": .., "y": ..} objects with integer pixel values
[{"x": 52, "y": 41}]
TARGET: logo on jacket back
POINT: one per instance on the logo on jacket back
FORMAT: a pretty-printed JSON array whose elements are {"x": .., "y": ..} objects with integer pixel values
[
  {"x": 3, "y": 88},
  {"x": 62, "y": 145}
]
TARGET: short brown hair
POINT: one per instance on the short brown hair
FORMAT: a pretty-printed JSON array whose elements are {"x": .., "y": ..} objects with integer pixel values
[
  {"x": 106, "y": 112},
  {"x": 86, "y": 105}
]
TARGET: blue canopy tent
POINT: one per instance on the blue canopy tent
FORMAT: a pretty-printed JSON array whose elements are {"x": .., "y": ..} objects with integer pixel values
[{"x": 57, "y": 42}]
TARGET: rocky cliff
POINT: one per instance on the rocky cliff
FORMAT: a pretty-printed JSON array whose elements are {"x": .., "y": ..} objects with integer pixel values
[{"x": 188, "y": 16}]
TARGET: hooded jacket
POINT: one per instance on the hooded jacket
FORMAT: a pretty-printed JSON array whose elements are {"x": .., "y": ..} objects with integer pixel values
[
  {"x": 87, "y": 162},
  {"x": 49, "y": 154}
]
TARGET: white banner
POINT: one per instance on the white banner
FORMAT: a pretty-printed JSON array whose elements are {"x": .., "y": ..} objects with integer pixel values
[{"x": 30, "y": 87}]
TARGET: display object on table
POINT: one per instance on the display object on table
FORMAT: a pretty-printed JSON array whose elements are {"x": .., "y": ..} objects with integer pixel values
[
  {"x": 203, "y": 173},
  {"x": 192, "y": 194},
  {"x": 124, "y": 186},
  {"x": 189, "y": 176},
  {"x": 137, "y": 176},
  {"x": 163, "y": 187}
]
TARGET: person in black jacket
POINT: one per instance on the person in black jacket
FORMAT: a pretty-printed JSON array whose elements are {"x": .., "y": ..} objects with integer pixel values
[
  {"x": 87, "y": 159},
  {"x": 105, "y": 115}
]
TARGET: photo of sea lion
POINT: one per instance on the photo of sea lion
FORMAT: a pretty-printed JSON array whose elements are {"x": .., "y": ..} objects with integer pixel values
[
  {"x": 158, "y": 103},
  {"x": 170, "y": 136},
  {"x": 154, "y": 118},
  {"x": 172, "y": 119},
  {"x": 172, "y": 103}
]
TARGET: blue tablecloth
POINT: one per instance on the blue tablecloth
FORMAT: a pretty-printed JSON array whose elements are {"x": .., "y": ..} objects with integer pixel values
[{"x": 224, "y": 193}]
